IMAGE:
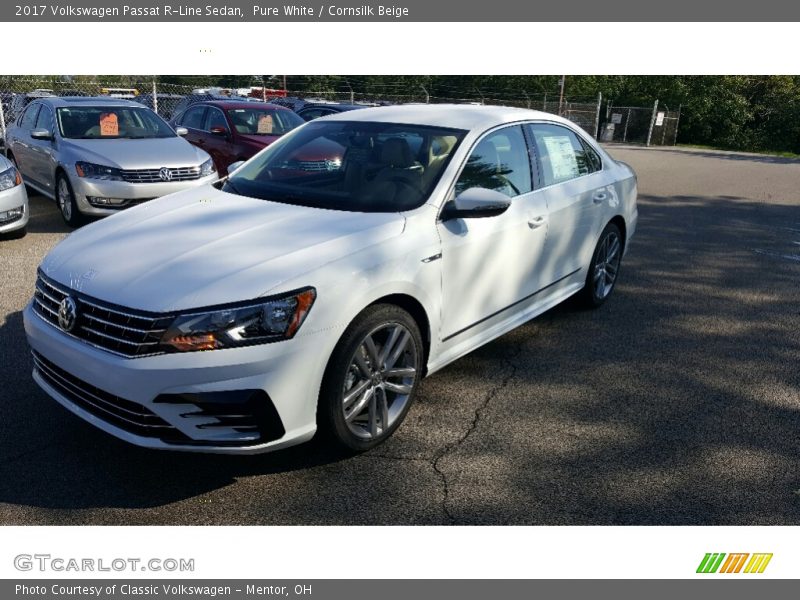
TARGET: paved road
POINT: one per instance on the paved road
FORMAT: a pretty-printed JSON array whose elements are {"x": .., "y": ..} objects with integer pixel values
[{"x": 676, "y": 403}]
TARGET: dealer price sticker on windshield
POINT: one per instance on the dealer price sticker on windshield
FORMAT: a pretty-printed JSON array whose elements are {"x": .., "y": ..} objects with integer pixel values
[
  {"x": 265, "y": 124},
  {"x": 109, "y": 125}
]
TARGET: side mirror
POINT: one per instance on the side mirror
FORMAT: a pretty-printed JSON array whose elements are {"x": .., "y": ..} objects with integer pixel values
[
  {"x": 476, "y": 203},
  {"x": 220, "y": 131},
  {"x": 234, "y": 165},
  {"x": 181, "y": 131},
  {"x": 41, "y": 134}
]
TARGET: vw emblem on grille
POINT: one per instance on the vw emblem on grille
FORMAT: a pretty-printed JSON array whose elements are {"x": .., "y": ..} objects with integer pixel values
[
  {"x": 67, "y": 314},
  {"x": 165, "y": 174}
]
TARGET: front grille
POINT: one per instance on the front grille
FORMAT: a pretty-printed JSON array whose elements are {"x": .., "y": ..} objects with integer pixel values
[
  {"x": 154, "y": 175},
  {"x": 125, "y": 414},
  {"x": 122, "y": 331}
]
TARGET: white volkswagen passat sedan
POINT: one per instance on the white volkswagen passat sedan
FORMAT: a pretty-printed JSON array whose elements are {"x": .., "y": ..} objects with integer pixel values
[
  {"x": 319, "y": 283},
  {"x": 13, "y": 200}
]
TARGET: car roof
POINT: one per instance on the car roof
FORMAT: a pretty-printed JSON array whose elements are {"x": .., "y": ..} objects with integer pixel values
[
  {"x": 336, "y": 105},
  {"x": 241, "y": 104},
  {"x": 456, "y": 116},
  {"x": 65, "y": 101}
]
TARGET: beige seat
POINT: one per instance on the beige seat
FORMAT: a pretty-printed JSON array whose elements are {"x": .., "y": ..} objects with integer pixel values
[{"x": 399, "y": 178}]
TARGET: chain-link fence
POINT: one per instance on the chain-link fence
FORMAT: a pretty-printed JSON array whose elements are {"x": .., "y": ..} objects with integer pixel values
[
  {"x": 650, "y": 125},
  {"x": 665, "y": 126},
  {"x": 630, "y": 124}
]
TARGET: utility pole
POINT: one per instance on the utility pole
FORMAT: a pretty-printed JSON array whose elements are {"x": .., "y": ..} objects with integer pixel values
[{"x": 561, "y": 96}]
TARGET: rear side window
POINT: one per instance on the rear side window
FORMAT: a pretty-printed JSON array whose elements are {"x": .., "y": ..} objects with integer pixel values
[
  {"x": 194, "y": 117},
  {"x": 28, "y": 119},
  {"x": 499, "y": 162},
  {"x": 562, "y": 156}
]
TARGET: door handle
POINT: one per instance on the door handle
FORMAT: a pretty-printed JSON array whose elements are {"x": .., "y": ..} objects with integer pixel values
[
  {"x": 599, "y": 197},
  {"x": 536, "y": 222}
]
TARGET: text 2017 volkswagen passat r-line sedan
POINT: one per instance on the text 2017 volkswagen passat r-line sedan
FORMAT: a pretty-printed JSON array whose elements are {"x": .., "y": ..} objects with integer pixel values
[
  {"x": 95, "y": 156},
  {"x": 245, "y": 315}
]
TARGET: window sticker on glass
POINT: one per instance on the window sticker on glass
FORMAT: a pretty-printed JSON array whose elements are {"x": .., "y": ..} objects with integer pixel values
[
  {"x": 563, "y": 161},
  {"x": 109, "y": 125},
  {"x": 265, "y": 124}
]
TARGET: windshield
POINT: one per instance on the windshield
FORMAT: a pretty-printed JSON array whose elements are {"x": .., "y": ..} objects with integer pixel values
[
  {"x": 111, "y": 122},
  {"x": 353, "y": 166},
  {"x": 263, "y": 121}
]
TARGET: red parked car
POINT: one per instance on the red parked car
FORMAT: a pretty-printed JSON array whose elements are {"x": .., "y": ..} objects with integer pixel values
[{"x": 231, "y": 130}]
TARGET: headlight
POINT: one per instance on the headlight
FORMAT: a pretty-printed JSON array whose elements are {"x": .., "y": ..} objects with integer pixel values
[
  {"x": 9, "y": 178},
  {"x": 260, "y": 322},
  {"x": 207, "y": 168},
  {"x": 93, "y": 171}
]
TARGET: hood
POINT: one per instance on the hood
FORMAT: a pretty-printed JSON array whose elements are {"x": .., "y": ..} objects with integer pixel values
[
  {"x": 203, "y": 247},
  {"x": 151, "y": 153},
  {"x": 259, "y": 140}
]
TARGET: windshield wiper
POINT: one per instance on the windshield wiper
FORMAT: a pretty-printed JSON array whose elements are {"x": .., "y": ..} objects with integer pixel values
[{"x": 233, "y": 189}]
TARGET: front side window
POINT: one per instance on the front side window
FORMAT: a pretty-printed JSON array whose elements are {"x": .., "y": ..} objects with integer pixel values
[
  {"x": 263, "y": 121},
  {"x": 561, "y": 154},
  {"x": 111, "y": 122},
  {"x": 28, "y": 119},
  {"x": 45, "y": 119},
  {"x": 215, "y": 120},
  {"x": 353, "y": 166},
  {"x": 499, "y": 162}
]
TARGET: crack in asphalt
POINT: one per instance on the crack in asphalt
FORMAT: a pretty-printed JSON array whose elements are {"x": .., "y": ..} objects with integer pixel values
[{"x": 476, "y": 418}]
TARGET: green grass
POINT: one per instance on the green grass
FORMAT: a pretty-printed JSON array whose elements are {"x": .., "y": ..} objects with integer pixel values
[{"x": 764, "y": 152}]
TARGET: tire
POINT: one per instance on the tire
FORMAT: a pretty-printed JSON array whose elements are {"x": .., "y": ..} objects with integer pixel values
[
  {"x": 360, "y": 406},
  {"x": 604, "y": 268},
  {"x": 65, "y": 198}
]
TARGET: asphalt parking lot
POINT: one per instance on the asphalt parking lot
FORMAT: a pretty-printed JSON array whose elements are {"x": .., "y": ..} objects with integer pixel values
[{"x": 678, "y": 402}]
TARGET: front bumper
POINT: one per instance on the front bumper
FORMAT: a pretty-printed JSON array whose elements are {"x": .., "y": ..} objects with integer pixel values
[
  {"x": 290, "y": 373},
  {"x": 134, "y": 193},
  {"x": 10, "y": 199}
]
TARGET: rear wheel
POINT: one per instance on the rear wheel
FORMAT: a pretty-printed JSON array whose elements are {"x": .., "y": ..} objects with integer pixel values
[
  {"x": 371, "y": 378},
  {"x": 66, "y": 202},
  {"x": 604, "y": 268}
]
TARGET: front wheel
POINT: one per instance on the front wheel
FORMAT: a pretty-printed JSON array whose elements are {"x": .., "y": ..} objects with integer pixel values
[
  {"x": 371, "y": 378},
  {"x": 604, "y": 268},
  {"x": 66, "y": 202}
]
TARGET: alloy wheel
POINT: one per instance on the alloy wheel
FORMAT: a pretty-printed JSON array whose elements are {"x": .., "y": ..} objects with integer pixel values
[
  {"x": 64, "y": 199},
  {"x": 379, "y": 380},
  {"x": 607, "y": 265}
]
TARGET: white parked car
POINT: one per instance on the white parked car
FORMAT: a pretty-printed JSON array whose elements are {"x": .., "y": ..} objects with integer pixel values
[
  {"x": 13, "y": 200},
  {"x": 316, "y": 286}
]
